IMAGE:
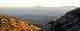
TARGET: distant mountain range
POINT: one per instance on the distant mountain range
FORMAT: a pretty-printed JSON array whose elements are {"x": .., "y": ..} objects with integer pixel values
[
  {"x": 38, "y": 10},
  {"x": 37, "y": 14},
  {"x": 38, "y": 19}
]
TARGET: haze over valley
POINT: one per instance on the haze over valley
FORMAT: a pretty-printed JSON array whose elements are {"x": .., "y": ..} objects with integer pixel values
[{"x": 38, "y": 14}]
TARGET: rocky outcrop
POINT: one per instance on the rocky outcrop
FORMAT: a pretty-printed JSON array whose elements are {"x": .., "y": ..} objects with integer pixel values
[{"x": 68, "y": 22}]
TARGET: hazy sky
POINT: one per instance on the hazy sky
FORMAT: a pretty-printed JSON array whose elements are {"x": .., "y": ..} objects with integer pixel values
[{"x": 32, "y": 3}]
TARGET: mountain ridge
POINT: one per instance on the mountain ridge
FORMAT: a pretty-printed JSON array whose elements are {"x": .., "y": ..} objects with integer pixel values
[{"x": 50, "y": 11}]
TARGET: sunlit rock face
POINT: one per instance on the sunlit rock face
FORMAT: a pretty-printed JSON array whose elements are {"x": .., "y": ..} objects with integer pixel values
[{"x": 9, "y": 23}]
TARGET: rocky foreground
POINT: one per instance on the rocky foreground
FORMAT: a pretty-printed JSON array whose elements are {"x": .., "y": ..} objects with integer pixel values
[{"x": 8, "y": 23}]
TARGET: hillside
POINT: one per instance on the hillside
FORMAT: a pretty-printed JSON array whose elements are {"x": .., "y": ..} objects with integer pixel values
[{"x": 9, "y": 23}]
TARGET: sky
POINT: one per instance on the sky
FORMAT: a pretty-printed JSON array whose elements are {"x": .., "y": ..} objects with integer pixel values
[{"x": 33, "y": 3}]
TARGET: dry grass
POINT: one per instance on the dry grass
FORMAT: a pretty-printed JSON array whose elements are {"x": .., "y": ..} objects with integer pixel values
[{"x": 8, "y": 23}]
